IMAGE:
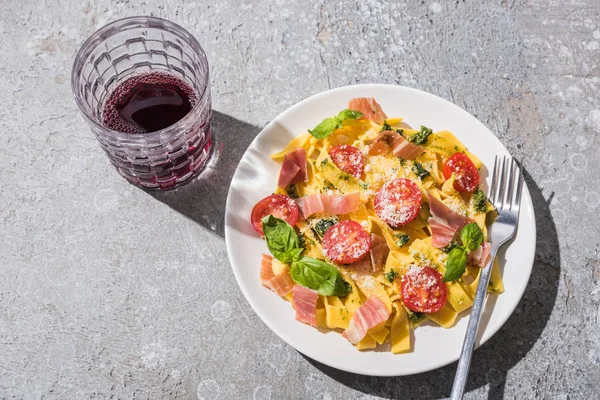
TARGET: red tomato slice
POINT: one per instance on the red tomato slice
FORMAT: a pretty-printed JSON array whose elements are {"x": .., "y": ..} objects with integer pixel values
[
  {"x": 467, "y": 176},
  {"x": 346, "y": 242},
  {"x": 423, "y": 290},
  {"x": 348, "y": 158},
  {"x": 398, "y": 202},
  {"x": 280, "y": 205}
]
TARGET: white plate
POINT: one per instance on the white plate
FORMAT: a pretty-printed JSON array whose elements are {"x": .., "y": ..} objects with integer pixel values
[{"x": 256, "y": 177}]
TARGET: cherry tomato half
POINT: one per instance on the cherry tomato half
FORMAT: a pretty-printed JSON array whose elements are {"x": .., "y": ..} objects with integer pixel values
[
  {"x": 423, "y": 290},
  {"x": 346, "y": 242},
  {"x": 280, "y": 205},
  {"x": 348, "y": 158},
  {"x": 398, "y": 202},
  {"x": 467, "y": 176}
]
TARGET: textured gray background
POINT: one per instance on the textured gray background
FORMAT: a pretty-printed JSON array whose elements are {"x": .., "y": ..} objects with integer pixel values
[{"x": 108, "y": 291}]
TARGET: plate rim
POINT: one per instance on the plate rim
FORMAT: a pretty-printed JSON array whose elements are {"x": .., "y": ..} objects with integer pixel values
[{"x": 484, "y": 337}]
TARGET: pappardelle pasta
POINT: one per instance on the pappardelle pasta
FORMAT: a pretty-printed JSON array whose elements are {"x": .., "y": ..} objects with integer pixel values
[{"x": 375, "y": 227}]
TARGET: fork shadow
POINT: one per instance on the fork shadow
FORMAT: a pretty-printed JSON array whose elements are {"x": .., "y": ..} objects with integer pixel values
[
  {"x": 203, "y": 199},
  {"x": 492, "y": 361}
]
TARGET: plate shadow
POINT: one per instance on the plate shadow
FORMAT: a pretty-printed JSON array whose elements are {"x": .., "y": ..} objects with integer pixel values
[{"x": 203, "y": 200}]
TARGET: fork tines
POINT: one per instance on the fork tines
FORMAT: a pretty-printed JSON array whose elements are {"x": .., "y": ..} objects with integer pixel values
[{"x": 507, "y": 184}]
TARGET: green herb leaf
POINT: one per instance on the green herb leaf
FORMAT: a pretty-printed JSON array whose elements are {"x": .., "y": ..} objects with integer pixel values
[
  {"x": 448, "y": 249},
  {"x": 282, "y": 240},
  {"x": 328, "y": 125},
  {"x": 390, "y": 276},
  {"x": 349, "y": 114},
  {"x": 420, "y": 137},
  {"x": 418, "y": 169},
  {"x": 401, "y": 239},
  {"x": 325, "y": 128},
  {"x": 471, "y": 236},
  {"x": 302, "y": 241},
  {"x": 385, "y": 127},
  {"x": 456, "y": 264},
  {"x": 320, "y": 226},
  {"x": 415, "y": 316},
  {"x": 318, "y": 275},
  {"x": 479, "y": 201},
  {"x": 291, "y": 191},
  {"x": 327, "y": 185}
]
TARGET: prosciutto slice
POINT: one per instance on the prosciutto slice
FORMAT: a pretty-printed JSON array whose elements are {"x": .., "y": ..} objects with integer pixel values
[
  {"x": 266, "y": 269},
  {"x": 293, "y": 169},
  {"x": 328, "y": 203},
  {"x": 404, "y": 149},
  {"x": 481, "y": 255},
  {"x": 304, "y": 301},
  {"x": 441, "y": 232},
  {"x": 370, "y": 314},
  {"x": 369, "y": 107},
  {"x": 392, "y": 141},
  {"x": 281, "y": 284},
  {"x": 379, "y": 252},
  {"x": 444, "y": 222}
]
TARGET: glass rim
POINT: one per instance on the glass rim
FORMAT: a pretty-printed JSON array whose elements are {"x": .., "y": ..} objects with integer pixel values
[{"x": 94, "y": 40}]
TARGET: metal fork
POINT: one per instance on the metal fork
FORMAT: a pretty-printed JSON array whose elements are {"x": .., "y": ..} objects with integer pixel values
[{"x": 505, "y": 195}]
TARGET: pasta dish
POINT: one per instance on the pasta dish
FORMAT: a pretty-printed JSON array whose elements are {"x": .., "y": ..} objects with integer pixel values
[{"x": 375, "y": 227}]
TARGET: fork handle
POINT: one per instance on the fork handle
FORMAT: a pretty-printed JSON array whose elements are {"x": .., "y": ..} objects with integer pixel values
[{"x": 464, "y": 362}]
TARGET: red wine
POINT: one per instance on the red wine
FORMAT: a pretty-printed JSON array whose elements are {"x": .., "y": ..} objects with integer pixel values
[{"x": 148, "y": 103}]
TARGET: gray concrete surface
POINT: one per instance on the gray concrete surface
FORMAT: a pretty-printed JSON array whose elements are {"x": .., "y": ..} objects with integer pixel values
[{"x": 107, "y": 291}]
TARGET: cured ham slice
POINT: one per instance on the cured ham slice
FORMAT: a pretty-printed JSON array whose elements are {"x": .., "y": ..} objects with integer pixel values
[
  {"x": 328, "y": 203},
  {"x": 311, "y": 204},
  {"x": 481, "y": 255},
  {"x": 370, "y": 314},
  {"x": 266, "y": 269},
  {"x": 293, "y": 169},
  {"x": 341, "y": 204},
  {"x": 444, "y": 222},
  {"x": 304, "y": 301},
  {"x": 281, "y": 284},
  {"x": 404, "y": 149},
  {"x": 392, "y": 141},
  {"x": 441, "y": 232},
  {"x": 379, "y": 252},
  {"x": 369, "y": 107}
]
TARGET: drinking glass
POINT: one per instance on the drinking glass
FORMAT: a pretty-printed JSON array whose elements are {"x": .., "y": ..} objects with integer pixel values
[{"x": 128, "y": 47}]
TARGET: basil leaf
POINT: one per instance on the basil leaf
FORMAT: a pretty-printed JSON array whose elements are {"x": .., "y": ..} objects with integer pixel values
[
  {"x": 318, "y": 275},
  {"x": 471, "y": 236},
  {"x": 349, "y": 114},
  {"x": 282, "y": 240},
  {"x": 456, "y": 264},
  {"x": 325, "y": 128},
  {"x": 328, "y": 125}
]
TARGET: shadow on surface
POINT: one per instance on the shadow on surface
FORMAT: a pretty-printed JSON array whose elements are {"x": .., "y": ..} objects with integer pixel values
[
  {"x": 492, "y": 361},
  {"x": 203, "y": 199}
]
